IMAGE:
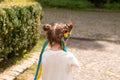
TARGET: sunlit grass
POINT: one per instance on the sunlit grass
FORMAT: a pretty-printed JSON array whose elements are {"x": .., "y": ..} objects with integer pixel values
[
  {"x": 38, "y": 46},
  {"x": 31, "y": 71},
  {"x": 28, "y": 74}
]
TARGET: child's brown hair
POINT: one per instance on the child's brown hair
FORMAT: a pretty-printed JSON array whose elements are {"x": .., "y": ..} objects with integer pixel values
[{"x": 56, "y": 32}]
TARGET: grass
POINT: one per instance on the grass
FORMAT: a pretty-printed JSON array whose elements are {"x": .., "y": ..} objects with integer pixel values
[
  {"x": 16, "y": 60},
  {"x": 30, "y": 72},
  {"x": 5, "y": 64},
  {"x": 38, "y": 46}
]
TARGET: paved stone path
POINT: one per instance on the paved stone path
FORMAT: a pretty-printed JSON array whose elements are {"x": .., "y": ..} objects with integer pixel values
[
  {"x": 87, "y": 24},
  {"x": 99, "y": 60},
  {"x": 16, "y": 70}
]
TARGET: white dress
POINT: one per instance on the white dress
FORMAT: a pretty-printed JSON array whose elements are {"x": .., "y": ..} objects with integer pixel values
[{"x": 56, "y": 65}]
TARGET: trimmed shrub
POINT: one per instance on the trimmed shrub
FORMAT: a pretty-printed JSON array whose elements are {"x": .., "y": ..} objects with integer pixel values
[
  {"x": 19, "y": 27},
  {"x": 71, "y": 4},
  {"x": 112, "y": 6}
]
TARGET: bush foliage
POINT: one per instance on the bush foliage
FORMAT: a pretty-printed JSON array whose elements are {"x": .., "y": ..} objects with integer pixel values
[
  {"x": 19, "y": 28},
  {"x": 71, "y": 4},
  {"x": 82, "y": 4}
]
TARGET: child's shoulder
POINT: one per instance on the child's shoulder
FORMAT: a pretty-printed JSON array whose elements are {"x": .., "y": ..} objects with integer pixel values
[
  {"x": 48, "y": 51},
  {"x": 69, "y": 54}
]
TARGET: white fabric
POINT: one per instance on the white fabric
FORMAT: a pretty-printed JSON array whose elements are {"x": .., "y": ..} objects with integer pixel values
[{"x": 56, "y": 65}]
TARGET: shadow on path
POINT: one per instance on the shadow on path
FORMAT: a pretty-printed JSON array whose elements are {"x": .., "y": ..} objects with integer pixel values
[
  {"x": 85, "y": 44},
  {"x": 89, "y": 44}
]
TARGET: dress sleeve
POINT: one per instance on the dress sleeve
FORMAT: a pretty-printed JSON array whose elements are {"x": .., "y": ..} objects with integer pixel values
[{"x": 73, "y": 60}]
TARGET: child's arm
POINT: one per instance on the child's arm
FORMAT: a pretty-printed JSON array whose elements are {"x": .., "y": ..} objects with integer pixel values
[{"x": 73, "y": 60}]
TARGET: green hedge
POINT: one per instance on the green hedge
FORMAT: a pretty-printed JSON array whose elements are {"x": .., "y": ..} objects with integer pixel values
[
  {"x": 71, "y": 4},
  {"x": 19, "y": 28},
  {"x": 82, "y": 4}
]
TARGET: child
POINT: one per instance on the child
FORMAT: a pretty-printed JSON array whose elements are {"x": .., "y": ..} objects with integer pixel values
[{"x": 56, "y": 63}]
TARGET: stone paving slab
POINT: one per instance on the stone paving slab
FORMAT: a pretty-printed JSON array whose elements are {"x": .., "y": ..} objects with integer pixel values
[
  {"x": 13, "y": 73},
  {"x": 18, "y": 69},
  {"x": 7, "y": 77}
]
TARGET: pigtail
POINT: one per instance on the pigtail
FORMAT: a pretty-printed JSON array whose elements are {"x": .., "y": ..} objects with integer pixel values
[
  {"x": 47, "y": 27},
  {"x": 69, "y": 25}
]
